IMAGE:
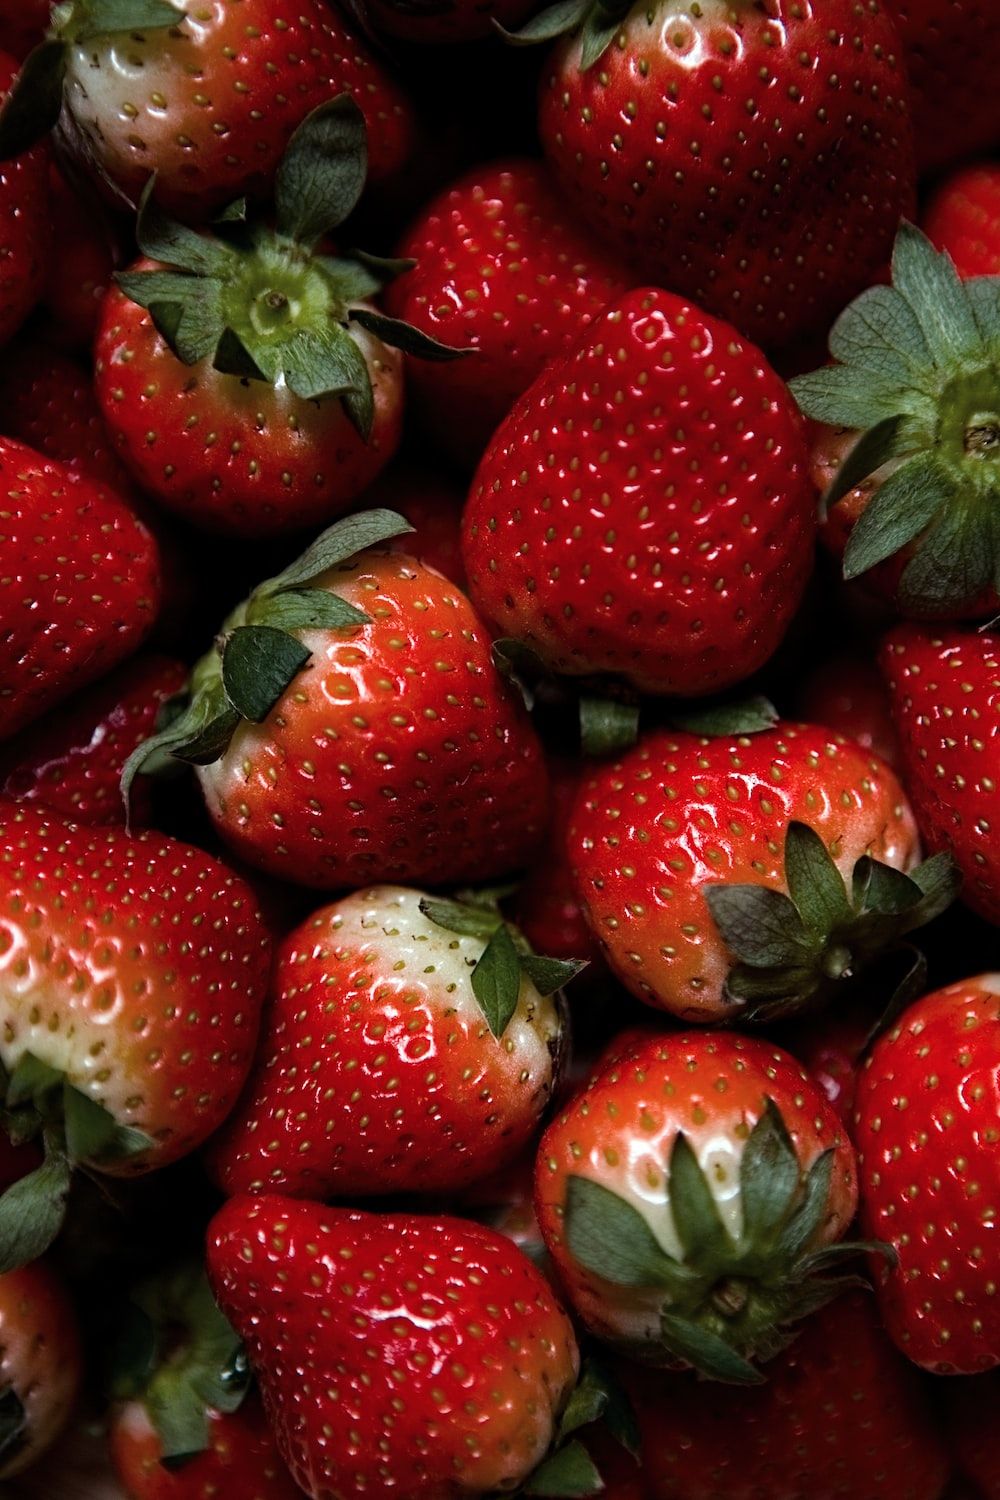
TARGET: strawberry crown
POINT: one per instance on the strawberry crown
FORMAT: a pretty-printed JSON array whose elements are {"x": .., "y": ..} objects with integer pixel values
[
  {"x": 726, "y": 1300},
  {"x": 918, "y": 375},
  {"x": 797, "y": 951}
]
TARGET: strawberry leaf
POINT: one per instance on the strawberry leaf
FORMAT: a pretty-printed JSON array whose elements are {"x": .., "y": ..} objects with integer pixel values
[
  {"x": 899, "y": 511},
  {"x": 340, "y": 542},
  {"x": 701, "y": 1232},
  {"x": 880, "y": 333},
  {"x": 706, "y": 1352},
  {"x": 607, "y": 727},
  {"x": 568, "y": 1472},
  {"x": 89, "y": 1127},
  {"x": 34, "y": 103},
  {"x": 327, "y": 362},
  {"x": 929, "y": 282},
  {"x": 954, "y": 565},
  {"x": 874, "y": 448},
  {"x": 162, "y": 238},
  {"x": 462, "y": 917},
  {"x": 760, "y": 926},
  {"x": 815, "y": 884},
  {"x": 554, "y": 20},
  {"x": 402, "y": 336},
  {"x": 804, "y": 1224},
  {"x": 496, "y": 980},
  {"x": 305, "y": 609},
  {"x": 32, "y": 1212},
  {"x": 750, "y": 715},
  {"x": 103, "y": 17},
  {"x": 322, "y": 174},
  {"x": 258, "y": 663},
  {"x": 550, "y": 974},
  {"x": 769, "y": 1177},
  {"x": 606, "y": 1235}
]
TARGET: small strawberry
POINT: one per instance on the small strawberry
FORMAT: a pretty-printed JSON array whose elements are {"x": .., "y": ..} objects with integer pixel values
[
  {"x": 81, "y": 271},
  {"x": 133, "y": 975},
  {"x": 548, "y": 909},
  {"x": 40, "y": 1365},
  {"x": 442, "y": 1060},
  {"x": 72, "y": 761},
  {"x": 944, "y": 686},
  {"x": 687, "y": 1197},
  {"x": 424, "y": 1356},
  {"x": 948, "y": 47},
  {"x": 753, "y": 157},
  {"x": 204, "y": 98},
  {"x": 349, "y": 725},
  {"x": 79, "y": 583},
  {"x": 916, "y": 379},
  {"x": 926, "y": 1127},
  {"x": 970, "y": 1418},
  {"x": 645, "y": 509},
  {"x": 245, "y": 376},
  {"x": 848, "y": 694},
  {"x": 25, "y": 241},
  {"x": 963, "y": 219},
  {"x": 502, "y": 269},
  {"x": 755, "y": 873}
]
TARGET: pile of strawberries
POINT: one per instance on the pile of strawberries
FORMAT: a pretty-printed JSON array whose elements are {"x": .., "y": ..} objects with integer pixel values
[{"x": 496, "y": 924}]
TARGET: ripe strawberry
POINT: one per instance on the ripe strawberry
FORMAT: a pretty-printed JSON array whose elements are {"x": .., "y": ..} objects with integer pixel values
[
  {"x": 72, "y": 761},
  {"x": 350, "y": 727},
  {"x": 688, "y": 1195},
  {"x": 963, "y": 219},
  {"x": 847, "y": 693},
  {"x": 25, "y": 243},
  {"x": 676, "y": 852},
  {"x": 970, "y": 1416},
  {"x": 944, "y": 687},
  {"x": 948, "y": 46},
  {"x": 916, "y": 380},
  {"x": 926, "y": 1126},
  {"x": 134, "y": 971},
  {"x": 502, "y": 269},
  {"x": 81, "y": 272},
  {"x": 439, "y": 23},
  {"x": 645, "y": 509},
  {"x": 443, "y": 1058},
  {"x": 79, "y": 585},
  {"x": 425, "y": 1356},
  {"x": 40, "y": 1365},
  {"x": 245, "y": 377},
  {"x": 754, "y": 158},
  {"x": 240, "y": 1458},
  {"x": 548, "y": 911},
  {"x": 205, "y": 98},
  {"x": 831, "y": 1047},
  {"x": 841, "y": 1417},
  {"x": 432, "y": 504}
]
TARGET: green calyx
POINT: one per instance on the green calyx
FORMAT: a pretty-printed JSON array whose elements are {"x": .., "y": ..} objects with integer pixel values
[
  {"x": 39, "y": 1102},
  {"x": 262, "y": 302},
  {"x": 597, "y": 21},
  {"x": 797, "y": 951},
  {"x": 726, "y": 1300},
  {"x": 259, "y": 650},
  {"x": 918, "y": 375},
  {"x": 177, "y": 1354},
  {"x": 568, "y": 1468},
  {"x": 506, "y": 958}
]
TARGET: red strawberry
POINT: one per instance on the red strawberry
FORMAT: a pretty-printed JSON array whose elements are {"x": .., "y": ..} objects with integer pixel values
[
  {"x": 205, "y": 98},
  {"x": 944, "y": 687},
  {"x": 548, "y": 911},
  {"x": 79, "y": 584},
  {"x": 349, "y": 725},
  {"x": 847, "y": 693},
  {"x": 831, "y": 1047},
  {"x": 432, "y": 503},
  {"x": 426, "y": 1356},
  {"x": 755, "y": 158},
  {"x": 40, "y": 1365},
  {"x": 684, "y": 1195},
  {"x": 134, "y": 971},
  {"x": 502, "y": 269},
  {"x": 971, "y": 1407},
  {"x": 22, "y": 25},
  {"x": 72, "y": 761},
  {"x": 682, "y": 852},
  {"x": 926, "y": 1127},
  {"x": 948, "y": 47},
  {"x": 436, "y": 1073},
  {"x": 645, "y": 509},
  {"x": 963, "y": 219},
  {"x": 841, "y": 1417},
  {"x": 251, "y": 386},
  {"x": 82, "y": 270},
  {"x": 240, "y": 1458},
  {"x": 439, "y": 23},
  {"x": 25, "y": 241}
]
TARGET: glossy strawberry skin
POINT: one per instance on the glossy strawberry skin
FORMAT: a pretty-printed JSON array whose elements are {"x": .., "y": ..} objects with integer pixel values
[
  {"x": 502, "y": 269},
  {"x": 40, "y": 1358},
  {"x": 926, "y": 1124},
  {"x": 79, "y": 583},
  {"x": 25, "y": 239},
  {"x": 963, "y": 218},
  {"x": 241, "y": 1458},
  {"x": 948, "y": 47},
  {"x": 454, "y": 1394},
  {"x": 397, "y": 754},
  {"x": 944, "y": 685},
  {"x": 693, "y": 145},
  {"x": 678, "y": 812},
  {"x": 237, "y": 81},
  {"x": 840, "y": 1417},
  {"x": 645, "y": 509},
  {"x": 139, "y": 951},
  {"x": 71, "y": 762},
  {"x": 236, "y": 456}
]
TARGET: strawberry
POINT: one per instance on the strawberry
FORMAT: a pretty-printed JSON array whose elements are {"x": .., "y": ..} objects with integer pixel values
[
  {"x": 916, "y": 380},
  {"x": 847, "y": 693},
  {"x": 841, "y": 1415},
  {"x": 502, "y": 269},
  {"x": 349, "y": 725},
  {"x": 432, "y": 504},
  {"x": 205, "y": 99},
  {"x": 439, "y": 23},
  {"x": 40, "y": 1365},
  {"x": 79, "y": 585},
  {"x": 71, "y": 762},
  {"x": 134, "y": 971},
  {"x": 437, "y": 1072},
  {"x": 831, "y": 1048},
  {"x": 688, "y": 1195},
  {"x": 81, "y": 272},
  {"x": 944, "y": 687},
  {"x": 425, "y": 1356},
  {"x": 25, "y": 244},
  {"x": 755, "y": 873},
  {"x": 970, "y": 1409},
  {"x": 963, "y": 219},
  {"x": 245, "y": 377},
  {"x": 184, "y": 1426},
  {"x": 548, "y": 911},
  {"x": 926, "y": 1126},
  {"x": 947, "y": 51},
  {"x": 645, "y": 509},
  {"x": 753, "y": 157}
]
